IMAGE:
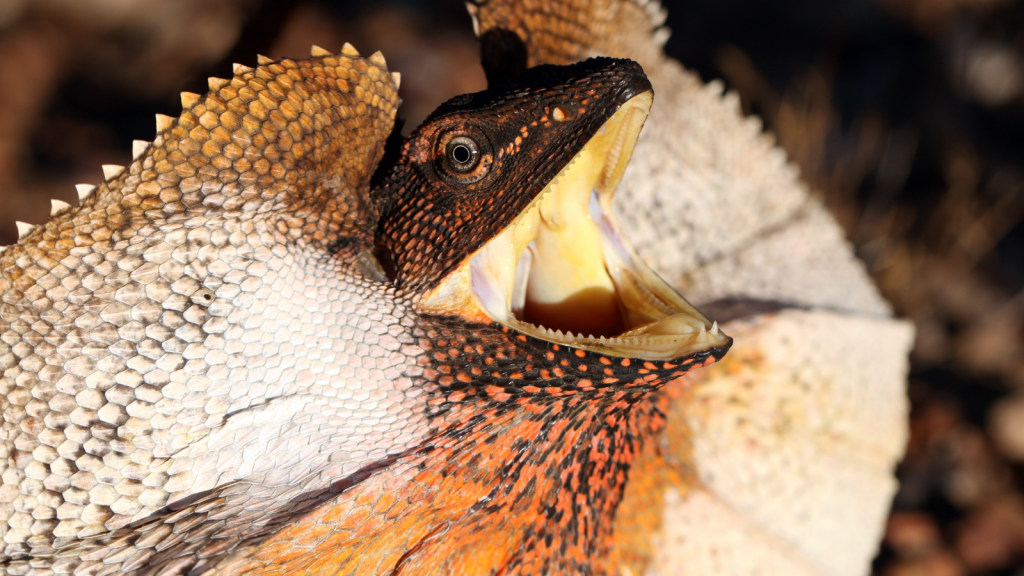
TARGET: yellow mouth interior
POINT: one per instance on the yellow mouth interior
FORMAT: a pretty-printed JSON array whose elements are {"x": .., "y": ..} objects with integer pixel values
[{"x": 563, "y": 272}]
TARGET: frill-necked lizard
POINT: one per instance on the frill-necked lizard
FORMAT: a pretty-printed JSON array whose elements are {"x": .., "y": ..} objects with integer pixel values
[
  {"x": 260, "y": 348},
  {"x": 284, "y": 341}
]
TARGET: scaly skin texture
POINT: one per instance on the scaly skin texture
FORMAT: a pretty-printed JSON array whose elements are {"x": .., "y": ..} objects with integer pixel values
[
  {"x": 197, "y": 284},
  {"x": 218, "y": 361}
]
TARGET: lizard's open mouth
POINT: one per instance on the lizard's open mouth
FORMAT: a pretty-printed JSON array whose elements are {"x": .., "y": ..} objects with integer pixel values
[{"x": 564, "y": 272}]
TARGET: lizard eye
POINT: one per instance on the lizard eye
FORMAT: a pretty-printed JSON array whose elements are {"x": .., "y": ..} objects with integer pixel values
[
  {"x": 464, "y": 158},
  {"x": 463, "y": 153}
]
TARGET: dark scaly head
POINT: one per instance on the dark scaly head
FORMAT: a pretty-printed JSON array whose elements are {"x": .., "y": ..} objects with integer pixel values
[{"x": 498, "y": 210}]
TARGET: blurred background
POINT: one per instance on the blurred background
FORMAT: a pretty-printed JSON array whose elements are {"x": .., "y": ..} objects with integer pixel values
[{"x": 905, "y": 116}]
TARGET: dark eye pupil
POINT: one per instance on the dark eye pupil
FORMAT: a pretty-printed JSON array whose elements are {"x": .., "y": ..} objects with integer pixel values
[
  {"x": 460, "y": 158},
  {"x": 461, "y": 154}
]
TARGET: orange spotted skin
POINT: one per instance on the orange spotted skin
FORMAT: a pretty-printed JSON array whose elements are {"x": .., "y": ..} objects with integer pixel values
[{"x": 524, "y": 474}]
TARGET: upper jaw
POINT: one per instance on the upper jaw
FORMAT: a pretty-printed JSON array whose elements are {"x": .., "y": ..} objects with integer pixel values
[{"x": 562, "y": 271}]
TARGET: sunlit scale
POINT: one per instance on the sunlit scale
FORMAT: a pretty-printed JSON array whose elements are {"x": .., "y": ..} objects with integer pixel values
[{"x": 564, "y": 272}]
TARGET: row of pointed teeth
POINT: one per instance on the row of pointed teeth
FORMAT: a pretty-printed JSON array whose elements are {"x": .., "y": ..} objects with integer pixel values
[
  {"x": 548, "y": 190},
  {"x": 568, "y": 336},
  {"x": 163, "y": 122}
]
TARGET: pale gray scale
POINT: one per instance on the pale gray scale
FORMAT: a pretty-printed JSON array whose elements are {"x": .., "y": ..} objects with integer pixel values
[
  {"x": 178, "y": 366},
  {"x": 331, "y": 394}
]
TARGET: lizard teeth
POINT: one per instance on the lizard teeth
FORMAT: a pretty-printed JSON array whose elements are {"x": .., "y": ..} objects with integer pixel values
[
  {"x": 318, "y": 52},
  {"x": 572, "y": 338},
  {"x": 714, "y": 328},
  {"x": 139, "y": 148},
  {"x": 349, "y": 50},
  {"x": 58, "y": 207},
  {"x": 521, "y": 281},
  {"x": 84, "y": 191},
  {"x": 189, "y": 99},
  {"x": 111, "y": 171},
  {"x": 24, "y": 229},
  {"x": 163, "y": 122}
]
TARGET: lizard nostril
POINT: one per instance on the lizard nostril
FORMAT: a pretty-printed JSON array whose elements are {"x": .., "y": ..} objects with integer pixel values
[{"x": 203, "y": 297}]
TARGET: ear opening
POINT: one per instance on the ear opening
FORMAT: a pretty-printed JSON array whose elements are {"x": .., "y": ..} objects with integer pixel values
[
  {"x": 385, "y": 261},
  {"x": 392, "y": 152}
]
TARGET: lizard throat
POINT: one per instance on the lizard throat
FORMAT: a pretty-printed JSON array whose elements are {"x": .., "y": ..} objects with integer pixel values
[{"x": 563, "y": 272}]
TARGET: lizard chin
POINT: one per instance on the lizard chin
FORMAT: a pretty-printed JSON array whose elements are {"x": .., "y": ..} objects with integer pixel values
[{"x": 562, "y": 271}]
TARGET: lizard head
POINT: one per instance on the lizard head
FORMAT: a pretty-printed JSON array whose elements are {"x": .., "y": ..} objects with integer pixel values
[{"x": 498, "y": 209}]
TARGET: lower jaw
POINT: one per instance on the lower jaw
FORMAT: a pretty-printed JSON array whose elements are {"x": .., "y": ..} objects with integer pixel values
[{"x": 641, "y": 316}]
